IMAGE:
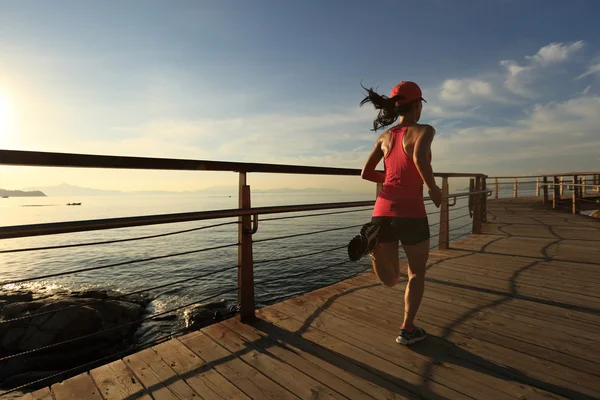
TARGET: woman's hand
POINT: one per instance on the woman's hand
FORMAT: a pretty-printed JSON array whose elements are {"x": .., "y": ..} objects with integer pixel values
[{"x": 436, "y": 195}]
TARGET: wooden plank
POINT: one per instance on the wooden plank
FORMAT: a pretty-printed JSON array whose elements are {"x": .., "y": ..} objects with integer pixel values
[
  {"x": 351, "y": 371},
  {"x": 466, "y": 380},
  {"x": 381, "y": 324},
  {"x": 197, "y": 373},
  {"x": 285, "y": 374},
  {"x": 523, "y": 276},
  {"x": 41, "y": 394},
  {"x": 494, "y": 307},
  {"x": 386, "y": 310},
  {"x": 253, "y": 383},
  {"x": 115, "y": 381},
  {"x": 328, "y": 374},
  {"x": 553, "y": 270},
  {"x": 482, "y": 324},
  {"x": 159, "y": 379},
  {"x": 79, "y": 387},
  {"x": 402, "y": 379}
]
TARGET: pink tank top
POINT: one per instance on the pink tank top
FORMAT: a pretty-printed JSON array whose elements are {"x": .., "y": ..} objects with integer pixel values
[{"x": 402, "y": 193}]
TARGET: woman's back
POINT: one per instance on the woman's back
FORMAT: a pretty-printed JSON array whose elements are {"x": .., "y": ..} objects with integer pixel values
[{"x": 401, "y": 173}]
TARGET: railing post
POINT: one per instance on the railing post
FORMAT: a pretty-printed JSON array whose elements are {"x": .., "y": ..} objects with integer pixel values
[
  {"x": 444, "y": 233},
  {"x": 537, "y": 186},
  {"x": 496, "y": 188},
  {"x": 545, "y": 189},
  {"x": 555, "y": 193},
  {"x": 595, "y": 181},
  {"x": 471, "y": 189},
  {"x": 477, "y": 208},
  {"x": 562, "y": 186},
  {"x": 484, "y": 199},
  {"x": 516, "y": 190},
  {"x": 245, "y": 262},
  {"x": 575, "y": 197},
  {"x": 583, "y": 188}
]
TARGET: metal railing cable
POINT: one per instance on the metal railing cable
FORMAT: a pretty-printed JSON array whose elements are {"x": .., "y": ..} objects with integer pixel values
[
  {"x": 298, "y": 256},
  {"x": 306, "y": 233},
  {"x": 312, "y": 271},
  {"x": 315, "y": 215},
  {"x": 460, "y": 227},
  {"x": 76, "y": 271},
  {"x": 121, "y": 296},
  {"x": 285, "y": 296},
  {"x": 66, "y": 246},
  {"x": 131, "y": 323},
  {"x": 458, "y": 208},
  {"x": 459, "y": 217}
]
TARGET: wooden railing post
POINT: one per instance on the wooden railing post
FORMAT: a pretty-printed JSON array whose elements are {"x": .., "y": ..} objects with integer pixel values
[
  {"x": 484, "y": 199},
  {"x": 516, "y": 189},
  {"x": 555, "y": 193},
  {"x": 444, "y": 233},
  {"x": 471, "y": 189},
  {"x": 545, "y": 189},
  {"x": 537, "y": 186},
  {"x": 496, "y": 188},
  {"x": 595, "y": 182},
  {"x": 583, "y": 188},
  {"x": 245, "y": 261},
  {"x": 575, "y": 197},
  {"x": 477, "y": 208},
  {"x": 562, "y": 185}
]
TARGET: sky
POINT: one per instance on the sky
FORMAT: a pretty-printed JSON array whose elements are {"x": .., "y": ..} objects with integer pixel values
[{"x": 512, "y": 86}]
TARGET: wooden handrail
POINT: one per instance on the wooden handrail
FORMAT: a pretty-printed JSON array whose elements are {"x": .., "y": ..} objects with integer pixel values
[
  {"x": 547, "y": 175},
  {"x": 71, "y": 160}
]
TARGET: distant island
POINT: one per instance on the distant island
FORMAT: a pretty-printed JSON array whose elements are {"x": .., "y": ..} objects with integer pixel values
[{"x": 21, "y": 193}]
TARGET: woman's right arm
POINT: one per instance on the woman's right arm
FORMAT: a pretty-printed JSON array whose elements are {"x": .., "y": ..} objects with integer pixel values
[{"x": 368, "y": 172}]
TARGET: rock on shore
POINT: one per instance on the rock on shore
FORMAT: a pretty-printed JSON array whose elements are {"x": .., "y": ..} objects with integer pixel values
[{"x": 72, "y": 315}]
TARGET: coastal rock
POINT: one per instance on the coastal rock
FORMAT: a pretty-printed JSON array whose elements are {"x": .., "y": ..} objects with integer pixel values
[
  {"x": 12, "y": 297},
  {"x": 209, "y": 313},
  {"x": 61, "y": 318}
]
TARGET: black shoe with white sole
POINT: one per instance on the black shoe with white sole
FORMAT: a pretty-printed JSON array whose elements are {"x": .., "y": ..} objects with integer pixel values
[
  {"x": 363, "y": 244},
  {"x": 411, "y": 337}
]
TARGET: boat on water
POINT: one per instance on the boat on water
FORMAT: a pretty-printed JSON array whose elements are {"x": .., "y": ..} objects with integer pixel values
[{"x": 73, "y": 204}]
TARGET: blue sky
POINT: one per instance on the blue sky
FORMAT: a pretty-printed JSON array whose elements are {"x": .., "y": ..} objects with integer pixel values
[{"x": 512, "y": 86}]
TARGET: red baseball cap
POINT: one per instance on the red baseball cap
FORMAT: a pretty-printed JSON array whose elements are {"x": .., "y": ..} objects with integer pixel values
[{"x": 409, "y": 90}]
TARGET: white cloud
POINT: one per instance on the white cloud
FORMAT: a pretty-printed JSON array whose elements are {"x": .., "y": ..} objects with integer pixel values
[
  {"x": 547, "y": 134},
  {"x": 465, "y": 89},
  {"x": 592, "y": 69},
  {"x": 518, "y": 78},
  {"x": 555, "y": 52}
]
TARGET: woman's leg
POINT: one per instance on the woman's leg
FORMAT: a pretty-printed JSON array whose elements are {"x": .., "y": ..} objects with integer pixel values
[
  {"x": 417, "y": 256},
  {"x": 386, "y": 263}
]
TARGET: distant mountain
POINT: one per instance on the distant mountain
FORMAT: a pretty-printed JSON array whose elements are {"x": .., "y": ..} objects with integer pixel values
[
  {"x": 70, "y": 190},
  {"x": 21, "y": 193},
  {"x": 66, "y": 190}
]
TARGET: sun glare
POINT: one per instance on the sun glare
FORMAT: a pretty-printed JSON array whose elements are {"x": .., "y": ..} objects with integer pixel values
[{"x": 7, "y": 118}]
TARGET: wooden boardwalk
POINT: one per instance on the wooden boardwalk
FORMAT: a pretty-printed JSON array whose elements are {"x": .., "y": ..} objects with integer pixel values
[{"x": 513, "y": 313}]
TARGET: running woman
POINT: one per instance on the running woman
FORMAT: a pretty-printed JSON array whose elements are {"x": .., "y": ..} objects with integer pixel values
[{"x": 399, "y": 214}]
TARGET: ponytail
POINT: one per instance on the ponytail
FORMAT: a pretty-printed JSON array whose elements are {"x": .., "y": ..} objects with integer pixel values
[{"x": 388, "y": 111}]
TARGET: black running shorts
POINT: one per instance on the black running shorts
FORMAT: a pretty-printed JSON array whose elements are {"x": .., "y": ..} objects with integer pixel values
[{"x": 408, "y": 231}]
